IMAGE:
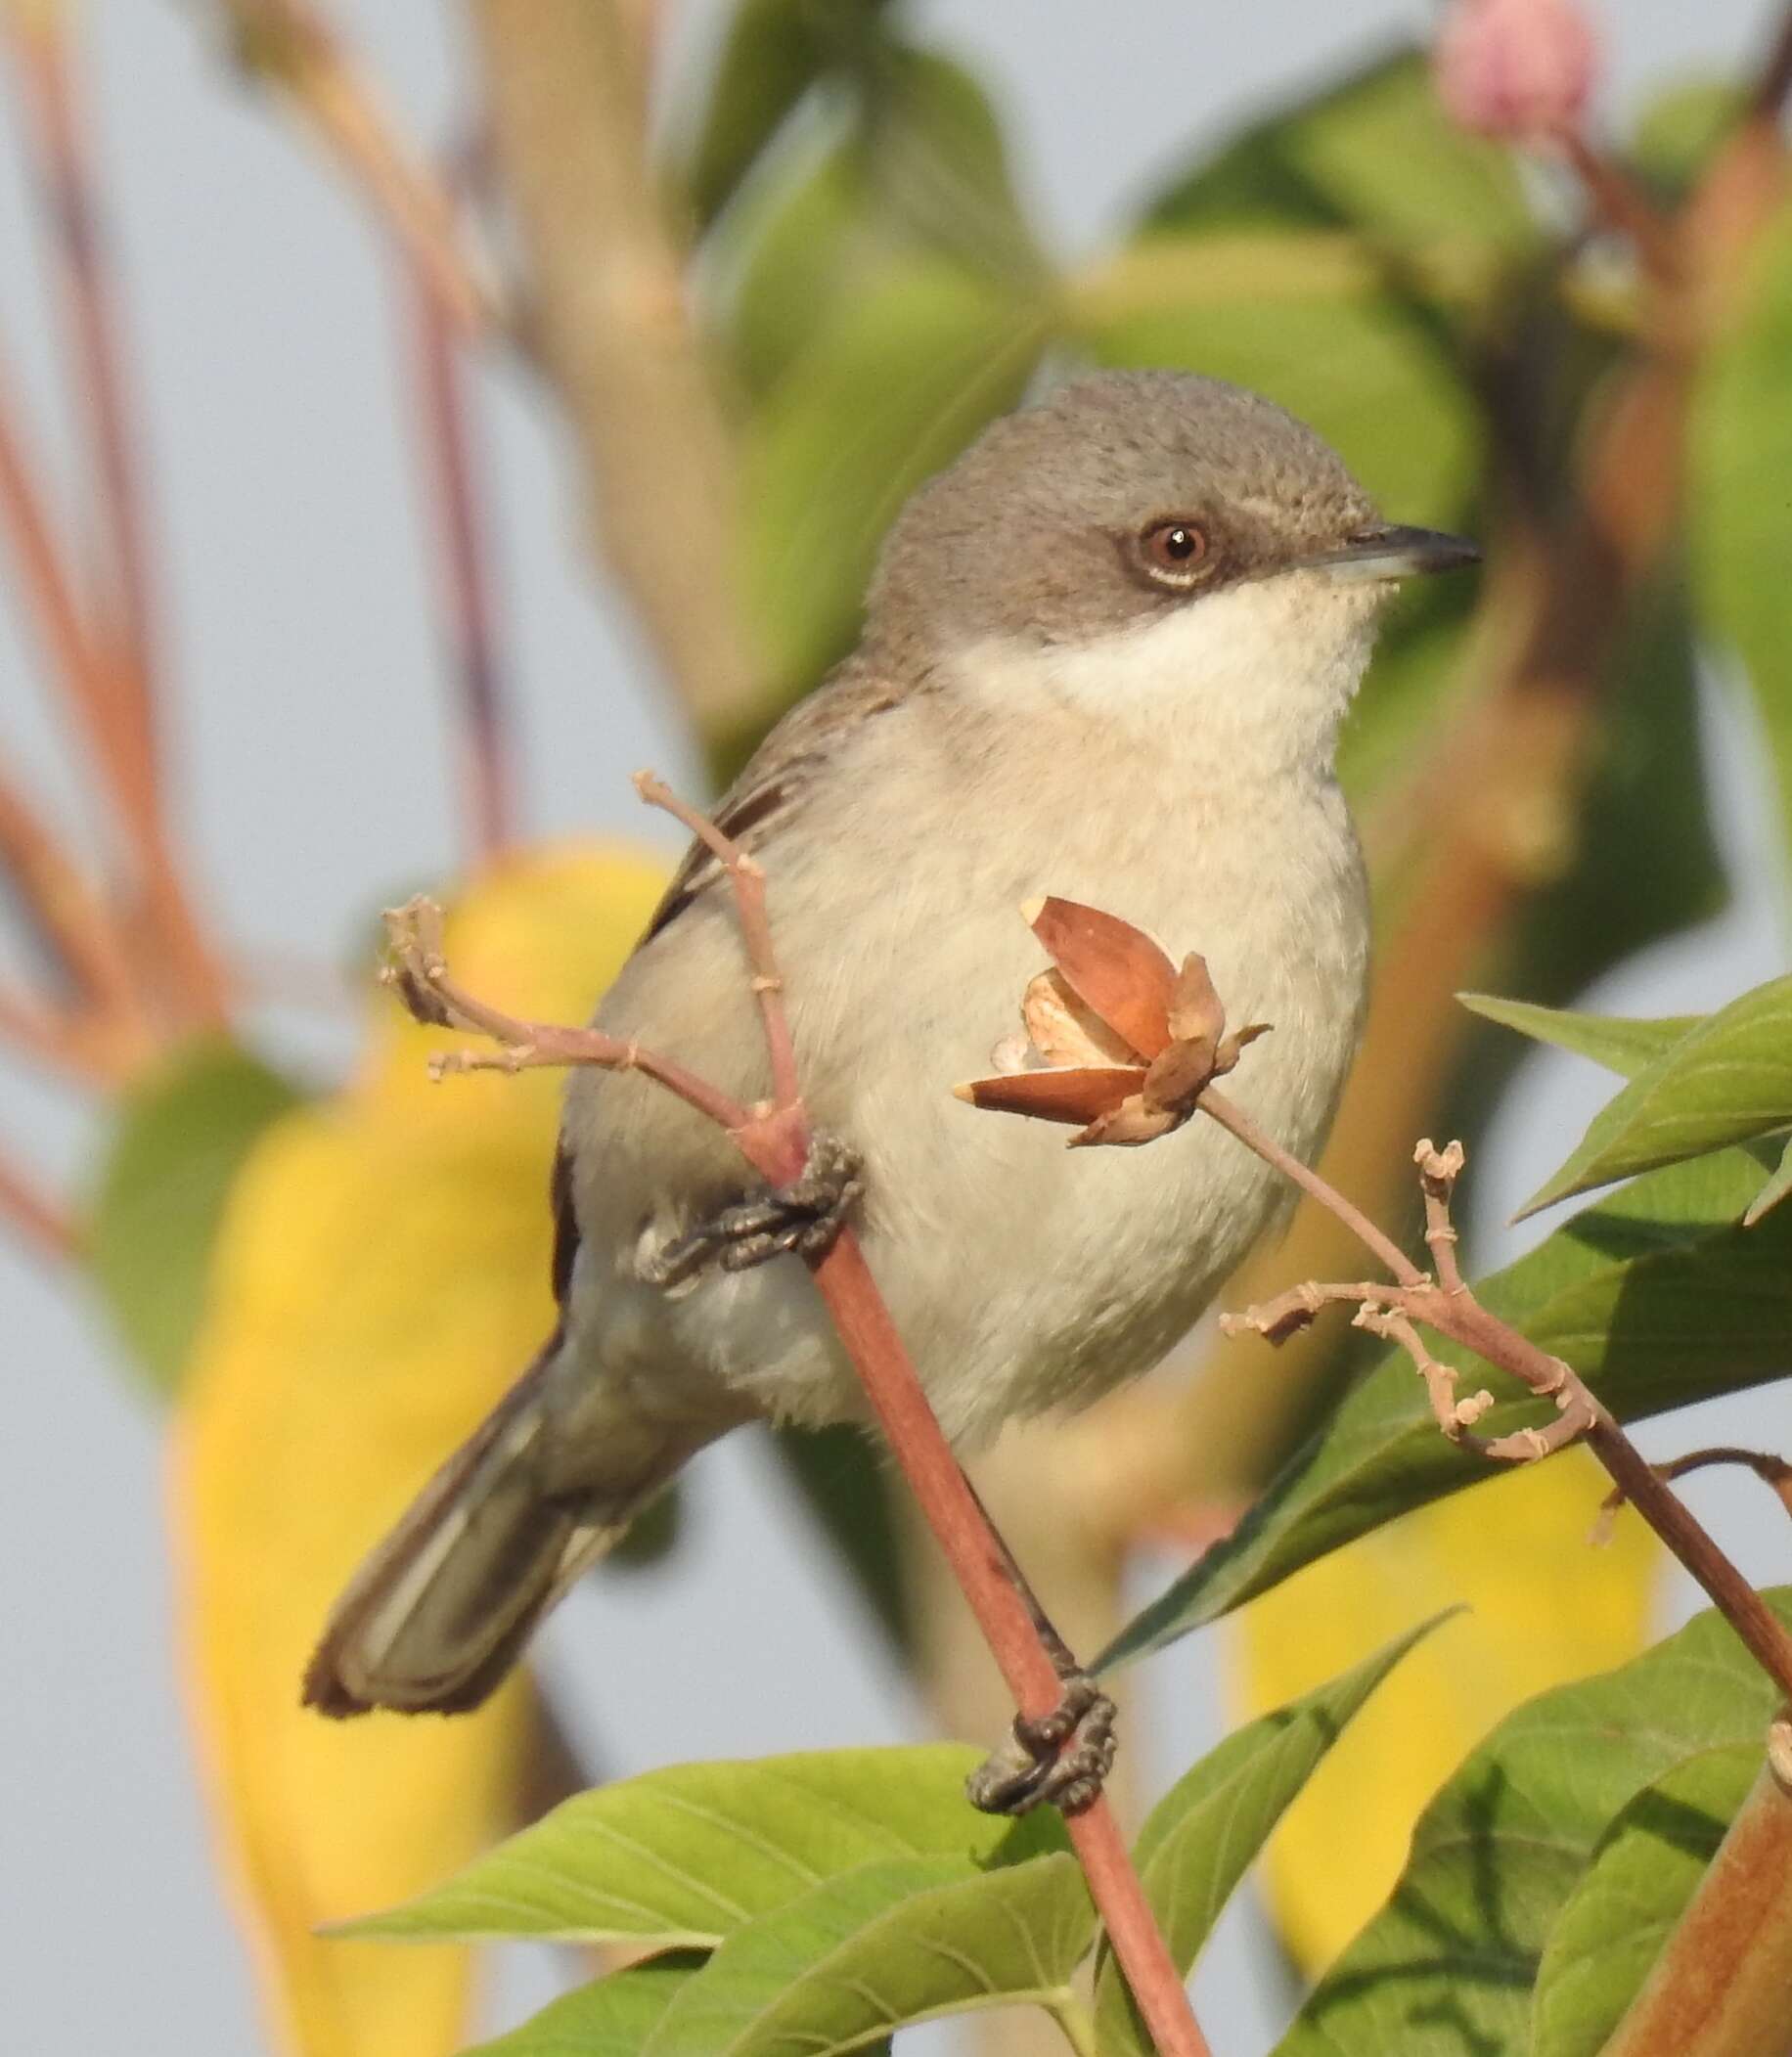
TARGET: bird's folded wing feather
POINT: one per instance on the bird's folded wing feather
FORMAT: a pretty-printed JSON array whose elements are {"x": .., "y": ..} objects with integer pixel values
[{"x": 761, "y": 803}]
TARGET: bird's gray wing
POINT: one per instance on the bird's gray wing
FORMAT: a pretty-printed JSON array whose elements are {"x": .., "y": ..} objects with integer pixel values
[
  {"x": 766, "y": 797},
  {"x": 770, "y": 791}
]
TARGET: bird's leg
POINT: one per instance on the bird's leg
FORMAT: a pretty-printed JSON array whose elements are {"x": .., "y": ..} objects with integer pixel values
[
  {"x": 1060, "y": 1759},
  {"x": 803, "y": 1218}
]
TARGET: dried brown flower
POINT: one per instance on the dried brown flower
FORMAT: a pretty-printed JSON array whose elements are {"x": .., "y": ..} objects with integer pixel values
[{"x": 1118, "y": 1040}]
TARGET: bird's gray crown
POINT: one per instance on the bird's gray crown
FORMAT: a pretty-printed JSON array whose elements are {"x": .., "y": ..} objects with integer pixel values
[{"x": 1061, "y": 522}]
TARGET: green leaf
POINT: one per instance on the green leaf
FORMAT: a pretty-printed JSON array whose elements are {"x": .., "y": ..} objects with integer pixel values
[
  {"x": 907, "y": 1939},
  {"x": 1779, "y": 1183},
  {"x": 1372, "y": 150},
  {"x": 1740, "y": 451},
  {"x": 1657, "y": 1296},
  {"x": 773, "y": 53},
  {"x": 1202, "y": 1834},
  {"x": 1679, "y": 131},
  {"x": 1380, "y": 149},
  {"x": 1726, "y": 1080},
  {"x": 684, "y": 1856},
  {"x": 1450, "y": 1963},
  {"x": 1621, "y": 1043},
  {"x": 888, "y": 392},
  {"x": 918, "y": 167},
  {"x": 1346, "y": 358},
  {"x": 1643, "y": 1872},
  {"x": 182, "y": 1135},
  {"x": 611, "y": 2017}
]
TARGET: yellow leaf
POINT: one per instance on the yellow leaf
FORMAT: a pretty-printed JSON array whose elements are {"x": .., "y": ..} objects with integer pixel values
[
  {"x": 1547, "y": 1608},
  {"x": 380, "y": 1277}
]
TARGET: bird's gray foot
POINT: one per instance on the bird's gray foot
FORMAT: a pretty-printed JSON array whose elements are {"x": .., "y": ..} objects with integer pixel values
[
  {"x": 1059, "y": 1759},
  {"x": 803, "y": 1218}
]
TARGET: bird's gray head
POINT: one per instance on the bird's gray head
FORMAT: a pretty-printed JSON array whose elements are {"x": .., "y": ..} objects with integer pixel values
[{"x": 1131, "y": 501}]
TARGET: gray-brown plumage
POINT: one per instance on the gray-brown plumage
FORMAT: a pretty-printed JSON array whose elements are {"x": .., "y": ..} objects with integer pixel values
[{"x": 1106, "y": 656}]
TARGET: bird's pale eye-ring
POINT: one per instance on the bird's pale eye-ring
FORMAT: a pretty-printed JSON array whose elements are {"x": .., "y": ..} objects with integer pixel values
[{"x": 1173, "y": 552}]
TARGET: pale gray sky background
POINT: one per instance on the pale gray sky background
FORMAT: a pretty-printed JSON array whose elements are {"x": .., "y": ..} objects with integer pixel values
[{"x": 302, "y": 645}]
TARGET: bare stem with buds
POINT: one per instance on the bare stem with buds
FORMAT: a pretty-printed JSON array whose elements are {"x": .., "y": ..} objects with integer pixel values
[{"x": 1446, "y": 1306}]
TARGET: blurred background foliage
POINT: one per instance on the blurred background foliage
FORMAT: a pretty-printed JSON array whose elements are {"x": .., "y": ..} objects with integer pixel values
[{"x": 763, "y": 320}]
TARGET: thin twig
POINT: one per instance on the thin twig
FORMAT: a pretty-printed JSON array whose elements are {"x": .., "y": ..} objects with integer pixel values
[
  {"x": 40, "y": 45},
  {"x": 42, "y": 1222},
  {"x": 68, "y": 918},
  {"x": 1231, "y": 1116},
  {"x": 102, "y": 702},
  {"x": 1774, "y": 82},
  {"x": 1624, "y": 206},
  {"x": 1773, "y": 1471},
  {"x": 292, "y": 45},
  {"x": 748, "y": 881},
  {"x": 1455, "y": 1312},
  {"x": 420, "y": 972},
  {"x": 447, "y": 441}
]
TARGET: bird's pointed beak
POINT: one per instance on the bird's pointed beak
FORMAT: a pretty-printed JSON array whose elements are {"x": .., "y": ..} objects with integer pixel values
[{"x": 1394, "y": 552}]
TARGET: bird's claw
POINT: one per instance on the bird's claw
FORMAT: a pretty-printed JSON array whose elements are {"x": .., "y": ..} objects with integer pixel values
[
  {"x": 1060, "y": 1758},
  {"x": 803, "y": 1218}
]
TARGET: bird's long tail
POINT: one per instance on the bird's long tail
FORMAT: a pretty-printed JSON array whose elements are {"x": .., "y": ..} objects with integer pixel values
[{"x": 442, "y": 1608}]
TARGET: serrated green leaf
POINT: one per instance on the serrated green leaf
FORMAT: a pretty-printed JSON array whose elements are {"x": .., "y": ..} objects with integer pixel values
[
  {"x": 1201, "y": 1835},
  {"x": 1450, "y": 1963},
  {"x": 611, "y": 2017},
  {"x": 1740, "y": 452},
  {"x": 181, "y": 1136},
  {"x": 683, "y": 1856},
  {"x": 1657, "y": 1297},
  {"x": 1644, "y": 1870},
  {"x": 887, "y": 393},
  {"x": 1726, "y": 1080},
  {"x": 1622, "y": 1043},
  {"x": 874, "y": 1949}
]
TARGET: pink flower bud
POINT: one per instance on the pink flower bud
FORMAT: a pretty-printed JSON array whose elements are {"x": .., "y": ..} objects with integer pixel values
[{"x": 1515, "y": 68}]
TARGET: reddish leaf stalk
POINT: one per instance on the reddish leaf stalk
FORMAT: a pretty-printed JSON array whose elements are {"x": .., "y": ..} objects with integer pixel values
[
  {"x": 71, "y": 922},
  {"x": 449, "y": 459},
  {"x": 294, "y": 46},
  {"x": 41, "y": 51},
  {"x": 91, "y": 682},
  {"x": 42, "y": 1224}
]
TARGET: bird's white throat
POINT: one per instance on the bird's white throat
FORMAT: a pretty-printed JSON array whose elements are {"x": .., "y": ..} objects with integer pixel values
[{"x": 1268, "y": 667}]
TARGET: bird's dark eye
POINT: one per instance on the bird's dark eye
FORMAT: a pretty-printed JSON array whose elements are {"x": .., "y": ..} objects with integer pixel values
[{"x": 1172, "y": 552}]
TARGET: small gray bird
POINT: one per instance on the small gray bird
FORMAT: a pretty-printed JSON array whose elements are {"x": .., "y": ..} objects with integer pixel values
[{"x": 1106, "y": 655}]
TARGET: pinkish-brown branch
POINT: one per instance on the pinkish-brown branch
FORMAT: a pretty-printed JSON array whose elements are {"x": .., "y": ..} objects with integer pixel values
[
  {"x": 748, "y": 882},
  {"x": 41, "y": 1223},
  {"x": 774, "y": 1140},
  {"x": 124, "y": 596},
  {"x": 291, "y": 44},
  {"x": 454, "y": 504}
]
